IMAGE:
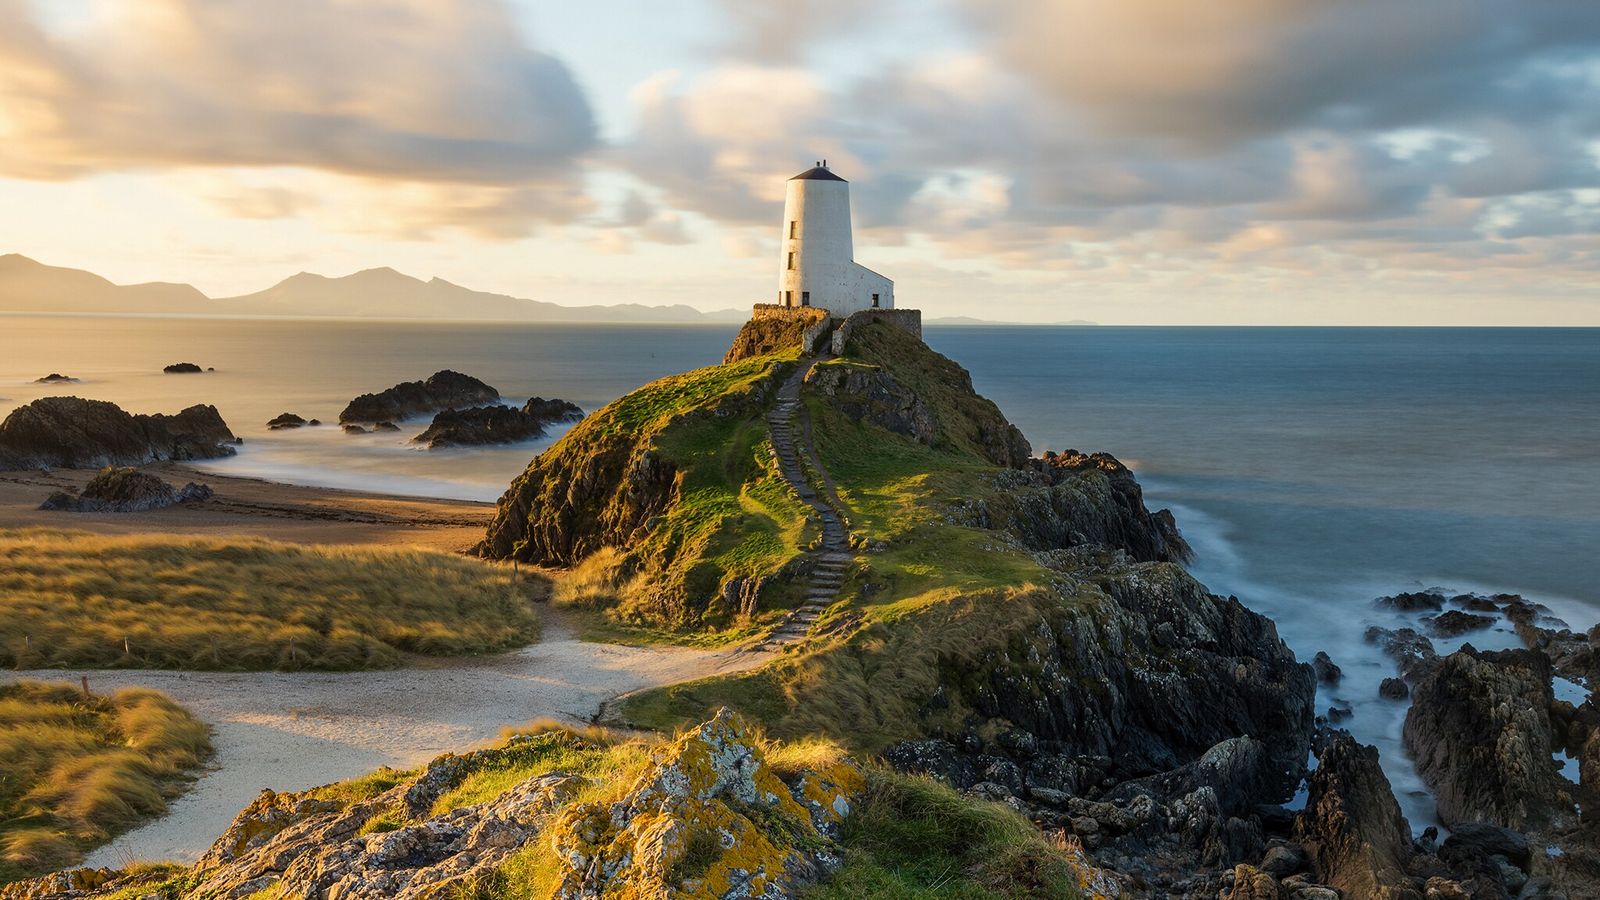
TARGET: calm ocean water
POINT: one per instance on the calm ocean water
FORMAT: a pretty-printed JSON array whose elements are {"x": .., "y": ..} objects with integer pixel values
[{"x": 1313, "y": 469}]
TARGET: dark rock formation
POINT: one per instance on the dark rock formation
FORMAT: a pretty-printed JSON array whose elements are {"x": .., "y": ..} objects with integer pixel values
[
  {"x": 1351, "y": 826},
  {"x": 125, "y": 490},
  {"x": 496, "y": 424},
  {"x": 1421, "y": 601},
  {"x": 56, "y": 378},
  {"x": 1479, "y": 729},
  {"x": 183, "y": 368},
  {"x": 385, "y": 426},
  {"x": 1328, "y": 672},
  {"x": 70, "y": 432},
  {"x": 1455, "y": 623},
  {"x": 353, "y": 429},
  {"x": 1412, "y": 653},
  {"x": 1394, "y": 689},
  {"x": 285, "y": 420},
  {"x": 1071, "y": 499},
  {"x": 442, "y": 390}
]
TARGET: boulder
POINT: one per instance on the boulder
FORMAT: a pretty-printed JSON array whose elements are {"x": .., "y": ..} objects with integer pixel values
[
  {"x": 1492, "y": 840},
  {"x": 1412, "y": 653},
  {"x": 1454, "y": 623},
  {"x": 353, "y": 429},
  {"x": 1421, "y": 601},
  {"x": 73, "y": 433},
  {"x": 1479, "y": 730},
  {"x": 126, "y": 489},
  {"x": 183, "y": 368},
  {"x": 1394, "y": 689},
  {"x": 1328, "y": 672},
  {"x": 496, "y": 424},
  {"x": 1250, "y": 883},
  {"x": 285, "y": 420},
  {"x": 1351, "y": 827},
  {"x": 385, "y": 426},
  {"x": 442, "y": 390}
]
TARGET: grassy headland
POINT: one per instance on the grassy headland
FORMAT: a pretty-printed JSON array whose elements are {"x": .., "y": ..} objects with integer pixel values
[
  {"x": 76, "y": 770},
  {"x": 71, "y": 599}
]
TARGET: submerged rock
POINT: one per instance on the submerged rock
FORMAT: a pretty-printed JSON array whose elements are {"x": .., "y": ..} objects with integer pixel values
[
  {"x": 56, "y": 378},
  {"x": 126, "y": 490},
  {"x": 1455, "y": 623},
  {"x": 70, "y": 432},
  {"x": 496, "y": 424},
  {"x": 183, "y": 368},
  {"x": 285, "y": 420},
  {"x": 442, "y": 390}
]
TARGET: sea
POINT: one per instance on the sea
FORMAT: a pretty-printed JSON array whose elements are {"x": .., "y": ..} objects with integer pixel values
[{"x": 1312, "y": 469}]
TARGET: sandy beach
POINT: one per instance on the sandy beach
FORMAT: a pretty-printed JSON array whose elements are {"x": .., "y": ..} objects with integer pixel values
[{"x": 256, "y": 508}]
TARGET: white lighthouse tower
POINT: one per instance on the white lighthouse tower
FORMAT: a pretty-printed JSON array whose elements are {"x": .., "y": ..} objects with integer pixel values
[{"x": 816, "y": 259}]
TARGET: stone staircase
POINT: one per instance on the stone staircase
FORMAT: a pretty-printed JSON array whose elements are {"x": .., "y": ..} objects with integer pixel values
[{"x": 786, "y": 422}]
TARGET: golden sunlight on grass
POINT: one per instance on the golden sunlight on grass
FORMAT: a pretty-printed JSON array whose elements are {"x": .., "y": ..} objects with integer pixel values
[
  {"x": 71, "y": 599},
  {"x": 77, "y": 769}
]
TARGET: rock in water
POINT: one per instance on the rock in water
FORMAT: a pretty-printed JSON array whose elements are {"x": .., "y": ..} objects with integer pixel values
[
  {"x": 496, "y": 424},
  {"x": 443, "y": 390},
  {"x": 55, "y": 378},
  {"x": 285, "y": 420},
  {"x": 183, "y": 368},
  {"x": 1479, "y": 729},
  {"x": 126, "y": 490},
  {"x": 1328, "y": 671},
  {"x": 1352, "y": 826},
  {"x": 70, "y": 432}
]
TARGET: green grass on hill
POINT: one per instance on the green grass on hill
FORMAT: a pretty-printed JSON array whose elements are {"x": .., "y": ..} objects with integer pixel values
[
  {"x": 71, "y": 599},
  {"x": 76, "y": 770}
]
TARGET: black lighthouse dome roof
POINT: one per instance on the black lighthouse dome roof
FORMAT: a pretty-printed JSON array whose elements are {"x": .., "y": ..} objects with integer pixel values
[{"x": 819, "y": 172}]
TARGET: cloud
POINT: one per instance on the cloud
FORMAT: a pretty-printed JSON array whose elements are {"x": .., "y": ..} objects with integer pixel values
[
  {"x": 783, "y": 30},
  {"x": 415, "y": 91},
  {"x": 1222, "y": 72}
]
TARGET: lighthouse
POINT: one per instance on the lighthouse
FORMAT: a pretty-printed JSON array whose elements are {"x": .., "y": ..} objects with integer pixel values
[{"x": 816, "y": 257}]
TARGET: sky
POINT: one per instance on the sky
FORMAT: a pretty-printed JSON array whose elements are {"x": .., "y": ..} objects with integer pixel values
[{"x": 1140, "y": 162}]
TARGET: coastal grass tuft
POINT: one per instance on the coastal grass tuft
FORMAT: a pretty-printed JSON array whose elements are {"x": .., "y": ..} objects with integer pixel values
[
  {"x": 77, "y": 769},
  {"x": 914, "y": 839},
  {"x": 72, "y": 599}
]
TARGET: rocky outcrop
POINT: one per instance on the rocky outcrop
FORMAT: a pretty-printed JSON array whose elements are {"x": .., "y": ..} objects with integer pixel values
[
  {"x": 1070, "y": 499},
  {"x": 288, "y": 420},
  {"x": 70, "y": 432},
  {"x": 183, "y": 368},
  {"x": 442, "y": 390},
  {"x": 878, "y": 396},
  {"x": 702, "y": 821},
  {"x": 56, "y": 378},
  {"x": 706, "y": 816},
  {"x": 125, "y": 490},
  {"x": 772, "y": 329},
  {"x": 1479, "y": 729},
  {"x": 1351, "y": 826},
  {"x": 497, "y": 424}
]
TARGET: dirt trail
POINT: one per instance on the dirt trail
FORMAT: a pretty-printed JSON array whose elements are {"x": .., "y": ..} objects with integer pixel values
[{"x": 295, "y": 730}]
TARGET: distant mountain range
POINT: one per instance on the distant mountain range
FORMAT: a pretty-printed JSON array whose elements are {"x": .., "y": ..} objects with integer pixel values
[{"x": 30, "y": 286}]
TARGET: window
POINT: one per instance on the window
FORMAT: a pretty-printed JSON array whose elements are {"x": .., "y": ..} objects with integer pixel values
[
  {"x": 874, "y": 300},
  {"x": 805, "y": 298},
  {"x": 793, "y": 228},
  {"x": 791, "y": 260}
]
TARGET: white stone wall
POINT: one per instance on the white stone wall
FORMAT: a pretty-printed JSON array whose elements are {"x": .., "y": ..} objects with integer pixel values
[{"x": 816, "y": 236}]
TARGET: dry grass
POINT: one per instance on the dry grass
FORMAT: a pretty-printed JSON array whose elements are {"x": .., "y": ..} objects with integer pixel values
[
  {"x": 71, "y": 599},
  {"x": 76, "y": 770}
]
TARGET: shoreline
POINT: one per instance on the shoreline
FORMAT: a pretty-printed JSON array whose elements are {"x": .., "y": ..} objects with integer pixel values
[{"x": 251, "y": 506}]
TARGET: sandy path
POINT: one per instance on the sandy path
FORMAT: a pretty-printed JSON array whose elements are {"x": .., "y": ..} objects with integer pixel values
[{"x": 291, "y": 731}]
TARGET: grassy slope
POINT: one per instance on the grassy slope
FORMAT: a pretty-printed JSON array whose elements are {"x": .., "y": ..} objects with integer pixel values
[
  {"x": 734, "y": 517},
  {"x": 933, "y": 595},
  {"x": 73, "y": 599},
  {"x": 76, "y": 770}
]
